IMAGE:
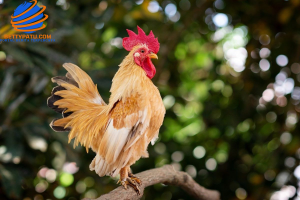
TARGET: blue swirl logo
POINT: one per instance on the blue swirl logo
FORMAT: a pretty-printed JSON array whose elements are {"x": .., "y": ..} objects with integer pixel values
[{"x": 28, "y": 17}]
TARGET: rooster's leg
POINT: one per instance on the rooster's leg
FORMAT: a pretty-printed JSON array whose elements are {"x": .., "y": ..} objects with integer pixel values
[{"x": 127, "y": 178}]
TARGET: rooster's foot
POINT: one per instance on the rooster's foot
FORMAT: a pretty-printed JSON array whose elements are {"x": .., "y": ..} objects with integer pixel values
[
  {"x": 136, "y": 179},
  {"x": 132, "y": 182}
]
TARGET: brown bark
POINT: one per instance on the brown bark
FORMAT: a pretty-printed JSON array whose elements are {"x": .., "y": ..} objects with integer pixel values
[{"x": 166, "y": 175}]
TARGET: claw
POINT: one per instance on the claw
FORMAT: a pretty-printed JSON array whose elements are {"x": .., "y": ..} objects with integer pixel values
[
  {"x": 132, "y": 182},
  {"x": 136, "y": 179},
  {"x": 124, "y": 183}
]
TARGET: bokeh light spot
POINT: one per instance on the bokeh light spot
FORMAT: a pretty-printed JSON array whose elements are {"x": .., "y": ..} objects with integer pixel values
[
  {"x": 271, "y": 117},
  {"x": 2, "y": 55},
  {"x": 175, "y": 17},
  {"x": 281, "y": 101},
  {"x": 59, "y": 192},
  {"x": 51, "y": 175},
  {"x": 42, "y": 172},
  {"x": 139, "y": 2},
  {"x": 66, "y": 179},
  {"x": 70, "y": 168},
  {"x": 241, "y": 193},
  {"x": 296, "y": 93},
  {"x": 160, "y": 148},
  {"x": 264, "y": 65},
  {"x": 291, "y": 119},
  {"x": 282, "y": 178},
  {"x": 153, "y": 6},
  {"x": 268, "y": 95},
  {"x": 295, "y": 68},
  {"x": 211, "y": 164},
  {"x": 290, "y": 162},
  {"x": 185, "y": 4},
  {"x": 270, "y": 175},
  {"x": 103, "y": 5},
  {"x": 264, "y": 53},
  {"x": 91, "y": 194},
  {"x": 220, "y": 20},
  {"x": 282, "y": 60},
  {"x": 41, "y": 186},
  {"x": 168, "y": 101},
  {"x": 264, "y": 39},
  {"x": 285, "y": 193},
  {"x": 219, "y": 4},
  {"x": 199, "y": 152},
  {"x": 80, "y": 187},
  {"x": 285, "y": 138},
  {"x": 170, "y": 10},
  {"x": 177, "y": 156},
  {"x": 191, "y": 170},
  {"x": 297, "y": 172}
]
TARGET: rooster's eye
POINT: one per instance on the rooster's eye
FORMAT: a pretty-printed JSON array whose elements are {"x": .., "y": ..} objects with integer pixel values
[{"x": 142, "y": 51}]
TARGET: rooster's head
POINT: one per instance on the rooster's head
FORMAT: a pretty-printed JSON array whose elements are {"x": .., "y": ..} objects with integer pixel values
[{"x": 144, "y": 47}]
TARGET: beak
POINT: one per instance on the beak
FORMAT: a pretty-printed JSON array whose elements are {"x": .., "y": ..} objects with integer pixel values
[{"x": 153, "y": 55}]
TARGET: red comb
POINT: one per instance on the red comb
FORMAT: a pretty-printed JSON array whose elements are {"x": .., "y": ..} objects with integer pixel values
[{"x": 141, "y": 38}]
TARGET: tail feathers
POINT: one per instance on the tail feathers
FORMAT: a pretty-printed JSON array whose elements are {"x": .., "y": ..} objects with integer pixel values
[
  {"x": 54, "y": 98},
  {"x": 81, "y": 105},
  {"x": 85, "y": 83}
]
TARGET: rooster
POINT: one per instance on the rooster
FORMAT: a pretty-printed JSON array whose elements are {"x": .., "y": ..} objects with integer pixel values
[{"x": 120, "y": 131}]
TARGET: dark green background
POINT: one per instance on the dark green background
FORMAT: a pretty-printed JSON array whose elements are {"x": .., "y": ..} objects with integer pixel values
[{"x": 254, "y": 143}]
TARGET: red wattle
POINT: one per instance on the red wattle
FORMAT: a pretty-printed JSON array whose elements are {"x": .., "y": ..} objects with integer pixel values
[{"x": 148, "y": 67}]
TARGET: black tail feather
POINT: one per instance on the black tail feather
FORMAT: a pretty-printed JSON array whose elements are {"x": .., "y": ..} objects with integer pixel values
[
  {"x": 58, "y": 128},
  {"x": 65, "y": 79},
  {"x": 66, "y": 114},
  {"x": 53, "y": 98}
]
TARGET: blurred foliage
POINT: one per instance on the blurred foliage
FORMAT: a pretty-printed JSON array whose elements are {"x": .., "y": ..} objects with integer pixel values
[{"x": 228, "y": 72}]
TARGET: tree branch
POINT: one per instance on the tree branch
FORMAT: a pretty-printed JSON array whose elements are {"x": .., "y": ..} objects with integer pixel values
[{"x": 166, "y": 175}]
